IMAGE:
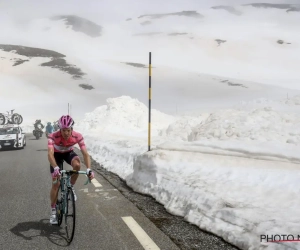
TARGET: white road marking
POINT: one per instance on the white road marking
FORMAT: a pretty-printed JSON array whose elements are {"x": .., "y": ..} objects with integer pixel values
[
  {"x": 86, "y": 190},
  {"x": 96, "y": 183},
  {"x": 140, "y": 234},
  {"x": 103, "y": 190}
]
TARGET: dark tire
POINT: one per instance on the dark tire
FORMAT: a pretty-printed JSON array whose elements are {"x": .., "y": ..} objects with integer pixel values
[
  {"x": 59, "y": 208},
  {"x": 16, "y": 118},
  {"x": 3, "y": 119},
  {"x": 70, "y": 216},
  {"x": 21, "y": 119}
]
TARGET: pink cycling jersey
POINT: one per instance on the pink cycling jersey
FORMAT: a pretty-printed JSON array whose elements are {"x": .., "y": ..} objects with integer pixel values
[{"x": 56, "y": 141}]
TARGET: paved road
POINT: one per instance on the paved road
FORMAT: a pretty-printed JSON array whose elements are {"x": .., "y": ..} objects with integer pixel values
[{"x": 101, "y": 211}]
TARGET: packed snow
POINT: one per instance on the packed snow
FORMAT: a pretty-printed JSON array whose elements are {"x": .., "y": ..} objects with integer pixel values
[
  {"x": 232, "y": 172},
  {"x": 225, "y": 104}
]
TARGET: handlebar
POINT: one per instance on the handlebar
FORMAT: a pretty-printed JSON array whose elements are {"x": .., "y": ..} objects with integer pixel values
[{"x": 70, "y": 172}]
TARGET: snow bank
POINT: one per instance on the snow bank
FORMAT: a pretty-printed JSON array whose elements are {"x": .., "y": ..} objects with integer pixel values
[
  {"x": 234, "y": 197},
  {"x": 263, "y": 124},
  {"x": 232, "y": 172},
  {"x": 124, "y": 115},
  {"x": 116, "y": 133},
  {"x": 248, "y": 149},
  {"x": 181, "y": 129},
  {"x": 118, "y": 130}
]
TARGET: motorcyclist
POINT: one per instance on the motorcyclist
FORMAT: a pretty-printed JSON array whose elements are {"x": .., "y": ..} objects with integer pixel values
[
  {"x": 37, "y": 122},
  {"x": 38, "y": 129}
]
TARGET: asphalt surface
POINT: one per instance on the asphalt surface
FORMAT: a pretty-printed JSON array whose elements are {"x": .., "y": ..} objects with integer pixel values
[{"x": 25, "y": 209}]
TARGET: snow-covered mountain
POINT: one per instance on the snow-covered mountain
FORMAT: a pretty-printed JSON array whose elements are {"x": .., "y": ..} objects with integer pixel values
[{"x": 85, "y": 55}]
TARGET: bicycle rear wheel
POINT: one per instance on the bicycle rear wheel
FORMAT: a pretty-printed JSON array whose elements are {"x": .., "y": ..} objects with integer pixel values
[
  {"x": 3, "y": 119},
  {"x": 16, "y": 118},
  {"x": 70, "y": 215}
]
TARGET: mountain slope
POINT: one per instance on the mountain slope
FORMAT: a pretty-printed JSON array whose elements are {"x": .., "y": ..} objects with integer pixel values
[{"x": 202, "y": 58}]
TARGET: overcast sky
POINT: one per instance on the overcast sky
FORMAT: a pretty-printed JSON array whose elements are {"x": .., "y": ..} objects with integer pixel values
[{"x": 110, "y": 9}]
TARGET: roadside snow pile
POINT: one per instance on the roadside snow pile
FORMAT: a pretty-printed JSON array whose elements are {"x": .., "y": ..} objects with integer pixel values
[
  {"x": 237, "y": 198},
  {"x": 221, "y": 171},
  {"x": 263, "y": 124},
  {"x": 124, "y": 115},
  {"x": 116, "y": 133},
  {"x": 182, "y": 128},
  {"x": 248, "y": 149}
]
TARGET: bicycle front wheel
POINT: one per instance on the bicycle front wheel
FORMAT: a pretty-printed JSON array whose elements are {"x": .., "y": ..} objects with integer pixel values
[
  {"x": 59, "y": 207},
  {"x": 70, "y": 215}
]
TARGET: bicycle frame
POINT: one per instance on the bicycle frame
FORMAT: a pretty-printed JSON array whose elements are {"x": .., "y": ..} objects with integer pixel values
[
  {"x": 65, "y": 184},
  {"x": 9, "y": 115},
  {"x": 62, "y": 204}
]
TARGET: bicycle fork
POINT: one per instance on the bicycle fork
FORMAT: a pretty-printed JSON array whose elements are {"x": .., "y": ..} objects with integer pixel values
[{"x": 64, "y": 196}]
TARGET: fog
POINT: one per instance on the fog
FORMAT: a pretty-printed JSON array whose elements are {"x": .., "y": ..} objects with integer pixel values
[
  {"x": 109, "y": 10},
  {"x": 220, "y": 44}
]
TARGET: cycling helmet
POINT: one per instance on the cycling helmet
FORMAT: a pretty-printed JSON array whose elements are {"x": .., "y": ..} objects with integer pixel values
[{"x": 65, "y": 121}]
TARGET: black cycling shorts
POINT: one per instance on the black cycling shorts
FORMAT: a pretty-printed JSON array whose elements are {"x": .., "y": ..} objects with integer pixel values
[{"x": 61, "y": 157}]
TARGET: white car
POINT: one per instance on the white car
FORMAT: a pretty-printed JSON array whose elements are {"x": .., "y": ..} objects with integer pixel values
[{"x": 12, "y": 136}]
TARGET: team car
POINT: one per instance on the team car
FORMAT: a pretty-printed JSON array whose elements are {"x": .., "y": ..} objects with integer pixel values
[{"x": 12, "y": 136}]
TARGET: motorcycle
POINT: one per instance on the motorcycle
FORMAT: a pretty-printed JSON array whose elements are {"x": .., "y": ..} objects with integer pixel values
[{"x": 38, "y": 132}]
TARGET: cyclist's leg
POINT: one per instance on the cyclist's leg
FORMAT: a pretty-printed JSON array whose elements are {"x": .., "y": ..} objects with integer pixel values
[
  {"x": 73, "y": 159},
  {"x": 55, "y": 186}
]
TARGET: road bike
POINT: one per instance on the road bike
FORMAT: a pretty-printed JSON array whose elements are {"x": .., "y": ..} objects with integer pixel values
[{"x": 65, "y": 204}]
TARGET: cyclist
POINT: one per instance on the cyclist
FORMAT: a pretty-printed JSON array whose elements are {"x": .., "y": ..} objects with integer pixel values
[
  {"x": 49, "y": 129},
  {"x": 60, "y": 148}
]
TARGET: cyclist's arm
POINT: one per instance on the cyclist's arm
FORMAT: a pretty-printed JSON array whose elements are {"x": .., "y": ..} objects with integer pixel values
[
  {"x": 51, "y": 157},
  {"x": 51, "y": 152},
  {"x": 86, "y": 156}
]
